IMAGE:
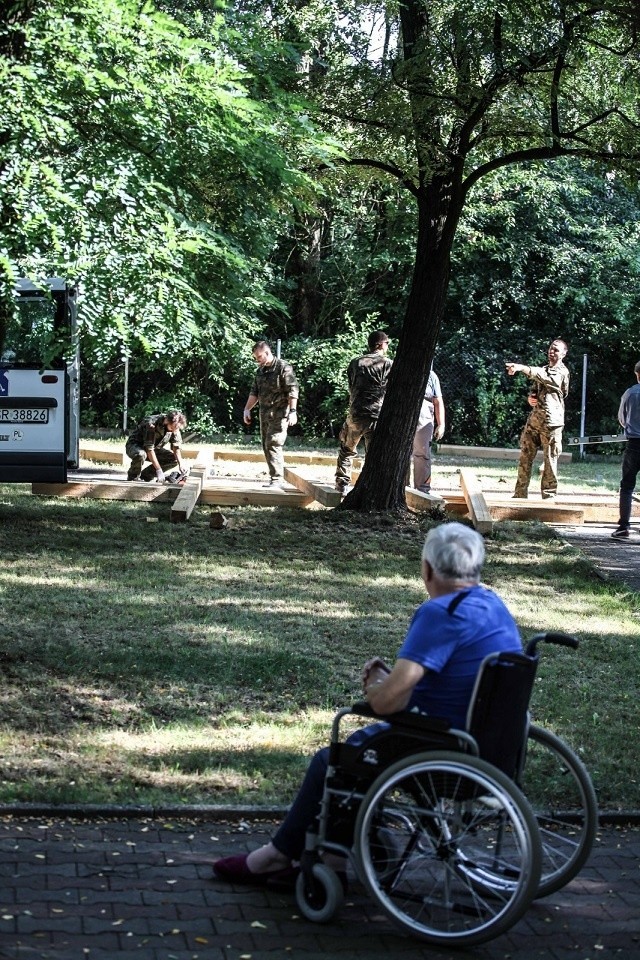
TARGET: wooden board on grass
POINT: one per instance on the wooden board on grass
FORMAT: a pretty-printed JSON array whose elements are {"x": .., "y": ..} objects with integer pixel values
[
  {"x": 240, "y": 493},
  {"x": 190, "y": 491},
  {"x": 108, "y": 490},
  {"x": 325, "y": 494},
  {"x": 417, "y": 500},
  {"x": 478, "y": 508},
  {"x": 553, "y": 512}
]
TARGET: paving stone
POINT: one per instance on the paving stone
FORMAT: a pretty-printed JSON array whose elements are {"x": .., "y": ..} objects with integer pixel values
[{"x": 62, "y": 907}]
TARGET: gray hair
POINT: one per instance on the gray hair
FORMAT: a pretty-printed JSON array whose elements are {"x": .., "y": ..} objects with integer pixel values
[
  {"x": 455, "y": 552},
  {"x": 637, "y": 367}
]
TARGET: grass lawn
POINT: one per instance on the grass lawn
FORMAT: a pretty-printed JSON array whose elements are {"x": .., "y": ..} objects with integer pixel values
[{"x": 149, "y": 662}]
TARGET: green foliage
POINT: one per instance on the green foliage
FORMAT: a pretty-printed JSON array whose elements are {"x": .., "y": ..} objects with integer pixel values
[
  {"x": 139, "y": 165},
  {"x": 541, "y": 253},
  {"x": 321, "y": 368}
]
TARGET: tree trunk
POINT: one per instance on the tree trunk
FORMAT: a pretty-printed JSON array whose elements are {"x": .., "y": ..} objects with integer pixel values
[{"x": 381, "y": 485}]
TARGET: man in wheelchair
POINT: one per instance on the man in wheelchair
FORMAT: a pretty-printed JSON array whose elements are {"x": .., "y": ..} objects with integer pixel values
[{"x": 434, "y": 673}]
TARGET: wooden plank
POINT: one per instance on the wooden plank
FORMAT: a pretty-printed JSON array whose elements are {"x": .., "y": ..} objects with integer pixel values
[
  {"x": 478, "y": 509},
  {"x": 108, "y": 453},
  {"x": 536, "y": 510},
  {"x": 107, "y": 490},
  {"x": 236, "y": 494},
  {"x": 325, "y": 494},
  {"x": 101, "y": 452},
  {"x": 417, "y": 500},
  {"x": 188, "y": 495},
  {"x": 490, "y": 453},
  {"x": 295, "y": 457},
  {"x": 190, "y": 491}
]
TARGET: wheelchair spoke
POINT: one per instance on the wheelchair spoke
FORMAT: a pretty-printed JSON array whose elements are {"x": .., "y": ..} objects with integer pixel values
[
  {"x": 561, "y": 794},
  {"x": 450, "y": 854}
]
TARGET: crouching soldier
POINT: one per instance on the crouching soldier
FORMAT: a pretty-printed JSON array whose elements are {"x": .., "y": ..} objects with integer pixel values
[{"x": 158, "y": 439}]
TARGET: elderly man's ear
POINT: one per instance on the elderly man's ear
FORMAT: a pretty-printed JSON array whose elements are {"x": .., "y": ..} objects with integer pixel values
[{"x": 427, "y": 571}]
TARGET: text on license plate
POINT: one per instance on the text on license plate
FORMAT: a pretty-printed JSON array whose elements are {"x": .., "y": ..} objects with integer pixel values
[{"x": 24, "y": 415}]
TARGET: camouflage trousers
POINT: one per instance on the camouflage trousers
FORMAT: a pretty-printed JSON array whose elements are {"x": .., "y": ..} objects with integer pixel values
[
  {"x": 273, "y": 433},
  {"x": 532, "y": 439},
  {"x": 353, "y": 431},
  {"x": 138, "y": 455}
]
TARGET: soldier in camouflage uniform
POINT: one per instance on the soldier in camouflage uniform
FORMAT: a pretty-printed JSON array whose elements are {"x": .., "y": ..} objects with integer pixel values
[
  {"x": 543, "y": 429},
  {"x": 275, "y": 388},
  {"x": 149, "y": 441},
  {"x": 367, "y": 376}
]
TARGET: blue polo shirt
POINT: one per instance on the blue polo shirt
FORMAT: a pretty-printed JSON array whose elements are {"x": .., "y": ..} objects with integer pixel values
[{"x": 450, "y": 637}]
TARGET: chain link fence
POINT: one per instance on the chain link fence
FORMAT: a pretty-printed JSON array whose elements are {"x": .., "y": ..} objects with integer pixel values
[{"x": 486, "y": 407}]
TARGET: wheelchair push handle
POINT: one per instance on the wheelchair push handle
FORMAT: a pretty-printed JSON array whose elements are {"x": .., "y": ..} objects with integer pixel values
[{"x": 561, "y": 639}]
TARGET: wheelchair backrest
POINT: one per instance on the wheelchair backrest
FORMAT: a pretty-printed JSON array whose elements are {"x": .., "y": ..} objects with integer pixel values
[{"x": 498, "y": 711}]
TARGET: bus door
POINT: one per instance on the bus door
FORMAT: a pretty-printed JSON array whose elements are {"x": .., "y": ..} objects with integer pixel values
[{"x": 39, "y": 386}]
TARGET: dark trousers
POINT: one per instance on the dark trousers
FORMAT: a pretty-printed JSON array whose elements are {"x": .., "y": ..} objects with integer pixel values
[
  {"x": 291, "y": 834},
  {"x": 630, "y": 469}
]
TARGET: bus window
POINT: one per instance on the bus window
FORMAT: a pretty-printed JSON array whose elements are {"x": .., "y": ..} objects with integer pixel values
[{"x": 32, "y": 338}]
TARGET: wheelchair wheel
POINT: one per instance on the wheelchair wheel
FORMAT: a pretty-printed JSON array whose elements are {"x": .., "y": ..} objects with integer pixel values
[
  {"x": 449, "y": 848},
  {"x": 321, "y": 895},
  {"x": 559, "y": 789}
]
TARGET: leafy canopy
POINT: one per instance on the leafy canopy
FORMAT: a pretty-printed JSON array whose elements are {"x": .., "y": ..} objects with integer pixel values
[{"x": 138, "y": 163}]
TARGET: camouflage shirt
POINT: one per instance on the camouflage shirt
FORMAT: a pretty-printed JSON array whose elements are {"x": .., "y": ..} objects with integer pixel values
[
  {"x": 274, "y": 384},
  {"x": 551, "y": 386},
  {"x": 153, "y": 432},
  {"x": 367, "y": 376}
]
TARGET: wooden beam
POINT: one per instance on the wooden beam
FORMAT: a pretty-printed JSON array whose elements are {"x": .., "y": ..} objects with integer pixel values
[
  {"x": 535, "y": 510},
  {"x": 242, "y": 493},
  {"x": 478, "y": 509},
  {"x": 188, "y": 495},
  {"x": 491, "y": 453},
  {"x": 108, "y": 490},
  {"x": 101, "y": 452},
  {"x": 324, "y": 493},
  {"x": 190, "y": 491},
  {"x": 417, "y": 500},
  {"x": 293, "y": 456}
]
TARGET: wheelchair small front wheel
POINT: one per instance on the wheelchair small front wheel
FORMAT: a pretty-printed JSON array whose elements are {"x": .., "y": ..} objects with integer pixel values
[{"x": 320, "y": 894}]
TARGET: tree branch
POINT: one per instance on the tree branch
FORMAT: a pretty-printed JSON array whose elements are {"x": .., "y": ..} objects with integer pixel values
[
  {"x": 389, "y": 168},
  {"x": 544, "y": 153}
]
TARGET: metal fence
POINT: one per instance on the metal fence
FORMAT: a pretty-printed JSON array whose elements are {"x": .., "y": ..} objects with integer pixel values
[{"x": 486, "y": 407}]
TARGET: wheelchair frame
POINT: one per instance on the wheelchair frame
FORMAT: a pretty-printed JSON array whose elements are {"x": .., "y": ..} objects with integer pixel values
[{"x": 446, "y": 843}]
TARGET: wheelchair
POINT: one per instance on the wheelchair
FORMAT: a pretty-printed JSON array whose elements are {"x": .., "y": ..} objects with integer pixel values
[{"x": 437, "y": 822}]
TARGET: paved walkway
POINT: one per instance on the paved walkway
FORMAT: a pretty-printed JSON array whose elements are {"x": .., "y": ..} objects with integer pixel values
[
  {"x": 125, "y": 889},
  {"x": 615, "y": 560}
]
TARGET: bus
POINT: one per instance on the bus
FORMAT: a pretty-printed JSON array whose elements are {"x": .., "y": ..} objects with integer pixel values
[{"x": 40, "y": 385}]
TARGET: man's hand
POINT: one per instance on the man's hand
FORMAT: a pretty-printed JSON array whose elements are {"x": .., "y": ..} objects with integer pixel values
[
  {"x": 292, "y": 417},
  {"x": 374, "y": 669},
  {"x": 438, "y": 433},
  {"x": 513, "y": 368},
  {"x": 246, "y": 416},
  {"x": 160, "y": 475},
  {"x": 532, "y": 400}
]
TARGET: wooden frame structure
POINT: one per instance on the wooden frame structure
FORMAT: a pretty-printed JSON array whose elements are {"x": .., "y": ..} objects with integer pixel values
[{"x": 302, "y": 489}]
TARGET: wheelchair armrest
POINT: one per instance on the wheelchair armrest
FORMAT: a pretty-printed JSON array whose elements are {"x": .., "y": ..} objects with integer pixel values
[{"x": 404, "y": 718}]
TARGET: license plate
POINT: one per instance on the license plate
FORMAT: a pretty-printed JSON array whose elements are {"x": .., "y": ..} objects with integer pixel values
[{"x": 24, "y": 415}]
